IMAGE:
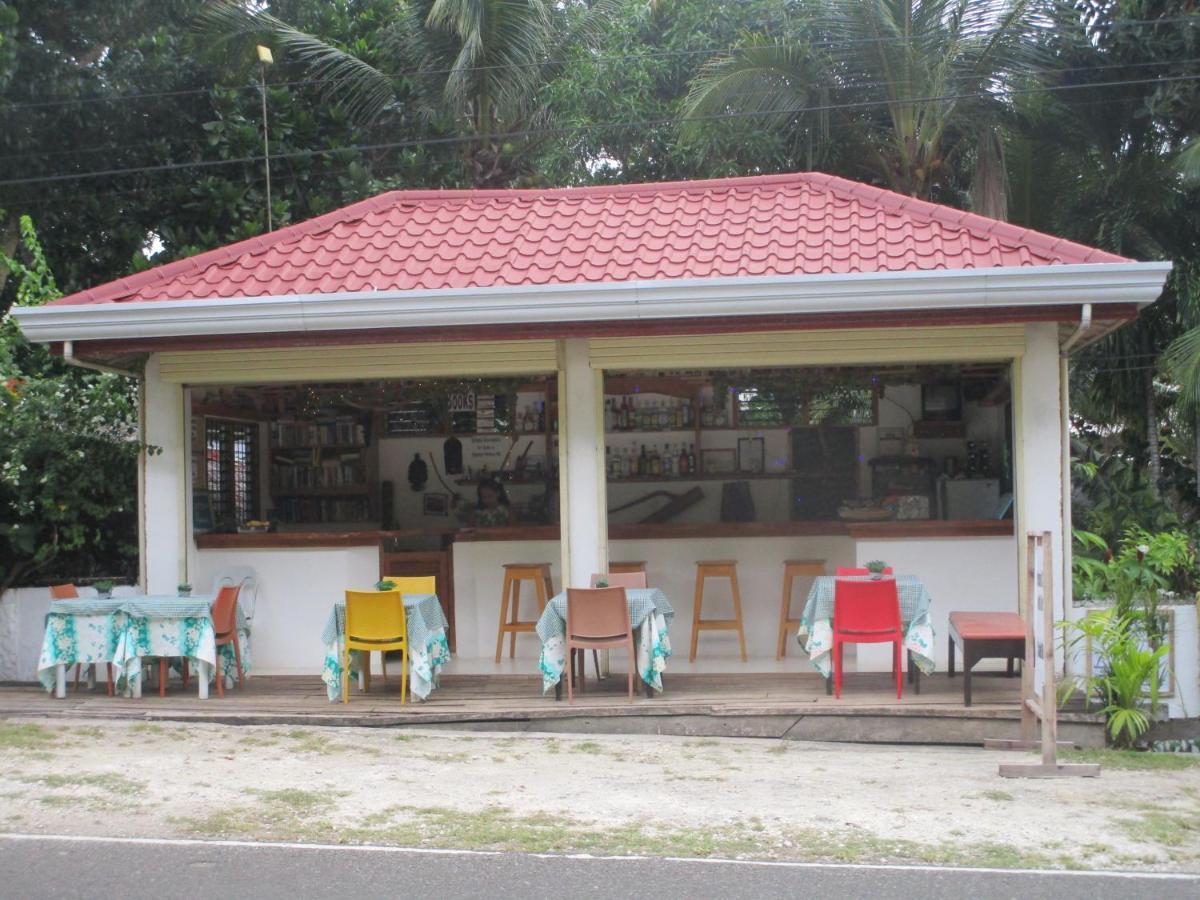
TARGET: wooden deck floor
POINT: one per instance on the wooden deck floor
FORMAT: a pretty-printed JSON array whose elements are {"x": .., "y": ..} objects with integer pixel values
[{"x": 764, "y": 705}]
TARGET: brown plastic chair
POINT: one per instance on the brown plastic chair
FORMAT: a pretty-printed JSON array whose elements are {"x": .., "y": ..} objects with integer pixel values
[
  {"x": 598, "y": 619},
  {"x": 68, "y": 592},
  {"x": 224, "y": 616},
  {"x": 628, "y": 579}
]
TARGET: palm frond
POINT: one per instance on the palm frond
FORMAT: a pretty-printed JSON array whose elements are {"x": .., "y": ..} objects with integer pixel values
[
  {"x": 358, "y": 87},
  {"x": 769, "y": 82}
]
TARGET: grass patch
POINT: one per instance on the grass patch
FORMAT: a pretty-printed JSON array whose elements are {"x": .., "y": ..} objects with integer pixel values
[
  {"x": 149, "y": 728},
  {"x": 781, "y": 747},
  {"x": 109, "y": 782},
  {"x": 1134, "y": 760},
  {"x": 87, "y": 731},
  {"x": 498, "y": 828},
  {"x": 587, "y": 747},
  {"x": 1168, "y": 830},
  {"x": 26, "y": 736},
  {"x": 308, "y": 742},
  {"x": 295, "y": 799},
  {"x": 998, "y": 796}
]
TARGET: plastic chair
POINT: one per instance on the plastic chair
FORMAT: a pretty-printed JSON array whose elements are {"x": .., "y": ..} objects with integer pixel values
[
  {"x": 246, "y": 580},
  {"x": 598, "y": 619},
  {"x": 224, "y": 616},
  {"x": 69, "y": 592},
  {"x": 408, "y": 585},
  {"x": 632, "y": 578},
  {"x": 866, "y": 612},
  {"x": 375, "y": 620}
]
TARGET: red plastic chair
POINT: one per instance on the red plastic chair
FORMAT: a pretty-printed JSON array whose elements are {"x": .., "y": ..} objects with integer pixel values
[
  {"x": 866, "y": 612},
  {"x": 852, "y": 570},
  {"x": 597, "y": 619}
]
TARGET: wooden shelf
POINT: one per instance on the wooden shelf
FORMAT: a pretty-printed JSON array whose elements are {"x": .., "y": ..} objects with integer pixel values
[
  {"x": 275, "y": 448},
  {"x": 682, "y": 479},
  {"x": 341, "y": 491}
]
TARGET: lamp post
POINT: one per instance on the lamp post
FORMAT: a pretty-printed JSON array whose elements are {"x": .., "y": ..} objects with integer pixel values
[{"x": 265, "y": 59}]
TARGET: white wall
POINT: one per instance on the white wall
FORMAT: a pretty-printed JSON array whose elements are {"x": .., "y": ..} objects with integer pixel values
[
  {"x": 297, "y": 589},
  {"x": 164, "y": 475}
]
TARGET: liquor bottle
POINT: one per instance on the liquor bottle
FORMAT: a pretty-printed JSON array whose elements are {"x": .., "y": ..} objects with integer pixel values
[
  {"x": 668, "y": 462},
  {"x": 630, "y": 463},
  {"x": 643, "y": 467},
  {"x": 608, "y": 417},
  {"x": 655, "y": 462},
  {"x": 692, "y": 458},
  {"x": 682, "y": 462}
]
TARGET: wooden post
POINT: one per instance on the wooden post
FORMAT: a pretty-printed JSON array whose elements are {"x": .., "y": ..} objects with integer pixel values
[{"x": 1039, "y": 666}]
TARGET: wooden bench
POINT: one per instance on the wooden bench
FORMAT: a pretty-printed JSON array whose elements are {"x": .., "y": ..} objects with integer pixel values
[{"x": 985, "y": 635}]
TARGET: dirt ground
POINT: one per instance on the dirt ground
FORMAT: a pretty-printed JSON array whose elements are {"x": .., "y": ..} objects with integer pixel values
[{"x": 600, "y": 794}]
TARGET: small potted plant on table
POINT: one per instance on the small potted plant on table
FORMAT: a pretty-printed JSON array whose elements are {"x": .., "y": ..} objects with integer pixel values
[
  {"x": 876, "y": 568},
  {"x": 104, "y": 588},
  {"x": 184, "y": 589},
  {"x": 385, "y": 584}
]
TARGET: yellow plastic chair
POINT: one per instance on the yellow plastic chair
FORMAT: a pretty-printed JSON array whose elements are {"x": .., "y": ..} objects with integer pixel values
[
  {"x": 407, "y": 586},
  {"x": 375, "y": 620}
]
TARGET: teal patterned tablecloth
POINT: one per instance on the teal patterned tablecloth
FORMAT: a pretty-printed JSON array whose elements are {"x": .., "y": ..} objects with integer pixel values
[
  {"x": 650, "y": 614},
  {"x": 429, "y": 648},
  {"x": 816, "y": 622},
  {"x": 124, "y": 630}
]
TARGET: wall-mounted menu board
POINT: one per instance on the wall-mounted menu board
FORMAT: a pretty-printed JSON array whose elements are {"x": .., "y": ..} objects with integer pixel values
[{"x": 412, "y": 417}]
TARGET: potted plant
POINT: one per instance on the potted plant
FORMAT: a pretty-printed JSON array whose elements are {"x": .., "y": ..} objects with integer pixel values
[
  {"x": 385, "y": 584},
  {"x": 602, "y": 583},
  {"x": 104, "y": 588},
  {"x": 876, "y": 567},
  {"x": 184, "y": 589}
]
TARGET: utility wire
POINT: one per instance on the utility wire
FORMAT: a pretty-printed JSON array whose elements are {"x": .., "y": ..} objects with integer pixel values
[
  {"x": 657, "y": 54},
  {"x": 456, "y": 139}
]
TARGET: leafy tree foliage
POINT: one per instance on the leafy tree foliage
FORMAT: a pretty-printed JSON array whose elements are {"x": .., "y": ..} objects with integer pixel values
[{"x": 68, "y": 460}]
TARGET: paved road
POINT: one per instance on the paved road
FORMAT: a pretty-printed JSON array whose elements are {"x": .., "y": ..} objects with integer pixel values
[{"x": 34, "y": 867}]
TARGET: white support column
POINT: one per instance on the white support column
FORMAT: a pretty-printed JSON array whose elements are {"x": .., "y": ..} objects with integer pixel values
[
  {"x": 1039, "y": 437},
  {"x": 581, "y": 479},
  {"x": 163, "y": 481}
]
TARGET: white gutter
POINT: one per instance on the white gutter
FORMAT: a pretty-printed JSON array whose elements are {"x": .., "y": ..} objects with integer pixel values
[
  {"x": 1084, "y": 326},
  {"x": 71, "y": 359},
  {"x": 927, "y": 291}
]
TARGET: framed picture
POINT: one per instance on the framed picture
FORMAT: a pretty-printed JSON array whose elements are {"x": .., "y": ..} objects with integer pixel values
[
  {"x": 435, "y": 504},
  {"x": 718, "y": 462},
  {"x": 751, "y": 455}
]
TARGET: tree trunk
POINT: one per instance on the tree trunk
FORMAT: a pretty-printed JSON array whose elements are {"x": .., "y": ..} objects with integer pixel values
[
  {"x": 1152, "y": 451},
  {"x": 10, "y": 236}
]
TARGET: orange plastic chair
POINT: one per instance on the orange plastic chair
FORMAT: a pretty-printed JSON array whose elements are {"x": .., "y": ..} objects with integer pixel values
[
  {"x": 598, "y": 619},
  {"x": 375, "y": 620},
  {"x": 69, "y": 592},
  {"x": 866, "y": 612},
  {"x": 224, "y": 616},
  {"x": 408, "y": 585}
]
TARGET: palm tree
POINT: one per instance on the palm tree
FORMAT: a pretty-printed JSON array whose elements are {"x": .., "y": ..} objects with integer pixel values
[
  {"x": 917, "y": 83},
  {"x": 473, "y": 69}
]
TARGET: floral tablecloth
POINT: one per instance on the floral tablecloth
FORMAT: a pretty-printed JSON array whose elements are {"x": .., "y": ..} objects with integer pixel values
[
  {"x": 816, "y": 622},
  {"x": 650, "y": 614},
  {"x": 124, "y": 630},
  {"x": 429, "y": 649}
]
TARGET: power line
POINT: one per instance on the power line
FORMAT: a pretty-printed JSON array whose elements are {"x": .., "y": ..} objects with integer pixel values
[
  {"x": 657, "y": 54},
  {"x": 857, "y": 86},
  {"x": 395, "y": 145}
]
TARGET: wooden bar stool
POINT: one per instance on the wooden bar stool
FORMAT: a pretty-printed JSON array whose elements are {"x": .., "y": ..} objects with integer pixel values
[
  {"x": 717, "y": 568},
  {"x": 793, "y": 569},
  {"x": 510, "y": 603}
]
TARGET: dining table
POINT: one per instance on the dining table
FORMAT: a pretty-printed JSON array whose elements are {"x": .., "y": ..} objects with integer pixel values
[
  {"x": 816, "y": 621},
  {"x": 123, "y": 631},
  {"x": 650, "y": 616},
  {"x": 428, "y": 647}
]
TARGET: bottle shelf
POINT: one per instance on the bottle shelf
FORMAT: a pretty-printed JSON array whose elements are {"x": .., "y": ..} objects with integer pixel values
[
  {"x": 338, "y": 491},
  {"x": 713, "y": 476}
]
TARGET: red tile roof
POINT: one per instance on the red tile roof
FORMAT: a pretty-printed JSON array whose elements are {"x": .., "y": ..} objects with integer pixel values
[{"x": 799, "y": 224}]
